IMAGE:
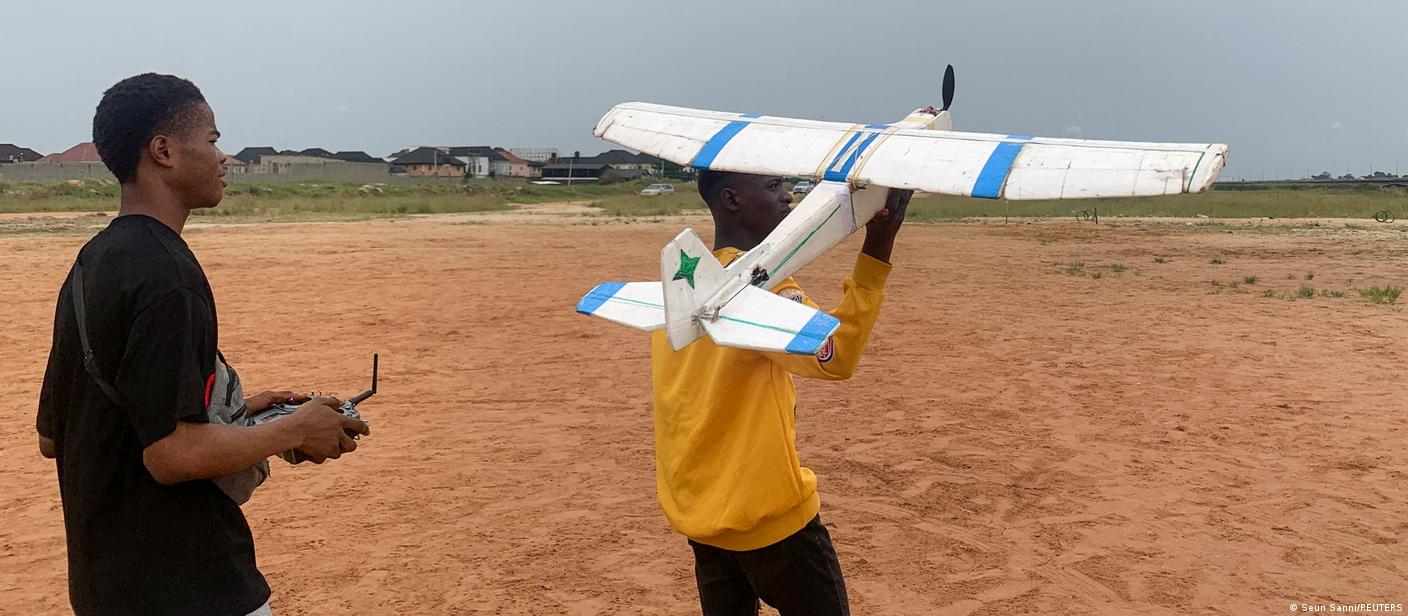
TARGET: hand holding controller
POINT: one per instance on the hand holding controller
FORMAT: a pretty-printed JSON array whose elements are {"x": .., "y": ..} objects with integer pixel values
[{"x": 322, "y": 415}]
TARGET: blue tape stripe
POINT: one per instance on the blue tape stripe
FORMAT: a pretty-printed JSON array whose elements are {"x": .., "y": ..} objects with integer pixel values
[
  {"x": 836, "y": 161},
  {"x": 813, "y": 334},
  {"x": 994, "y": 175},
  {"x": 833, "y": 174},
  {"x": 598, "y": 296},
  {"x": 716, "y": 144}
]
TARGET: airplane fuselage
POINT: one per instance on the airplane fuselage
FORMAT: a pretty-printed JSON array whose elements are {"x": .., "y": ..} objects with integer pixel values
[{"x": 826, "y": 216}]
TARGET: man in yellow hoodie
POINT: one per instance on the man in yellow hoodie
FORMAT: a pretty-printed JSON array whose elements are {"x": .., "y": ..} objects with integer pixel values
[{"x": 727, "y": 471}]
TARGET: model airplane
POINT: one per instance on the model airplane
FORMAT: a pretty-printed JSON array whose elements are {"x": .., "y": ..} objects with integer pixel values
[{"x": 855, "y": 165}]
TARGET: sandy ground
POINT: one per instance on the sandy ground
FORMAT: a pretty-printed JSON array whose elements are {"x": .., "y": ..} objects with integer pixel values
[{"x": 1018, "y": 440}]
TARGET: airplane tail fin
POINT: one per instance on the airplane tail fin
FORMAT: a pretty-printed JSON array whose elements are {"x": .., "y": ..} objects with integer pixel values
[{"x": 689, "y": 276}]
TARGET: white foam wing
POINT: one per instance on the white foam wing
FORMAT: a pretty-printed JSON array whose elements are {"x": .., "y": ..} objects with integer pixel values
[{"x": 945, "y": 162}]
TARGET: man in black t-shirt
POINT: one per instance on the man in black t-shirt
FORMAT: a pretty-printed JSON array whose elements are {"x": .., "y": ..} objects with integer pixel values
[{"x": 141, "y": 456}]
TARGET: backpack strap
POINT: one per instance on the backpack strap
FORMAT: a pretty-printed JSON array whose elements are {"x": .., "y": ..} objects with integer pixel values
[{"x": 89, "y": 362}]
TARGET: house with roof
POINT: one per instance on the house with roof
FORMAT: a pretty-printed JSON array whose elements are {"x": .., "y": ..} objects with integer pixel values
[
  {"x": 288, "y": 161},
  {"x": 509, "y": 165},
  {"x": 478, "y": 159},
  {"x": 84, "y": 152},
  {"x": 427, "y": 161},
  {"x": 11, "y": 153},
  {"x": 250, "y": 156},
  {"x": 577, "y": 171},
  {"x": 357, "y": 156},
  {"x": 264, "y": 160},
  {"x": 250, "y": 160},
  {"x": 535, "y": 155},
  {"x": 624, "y": 160}
]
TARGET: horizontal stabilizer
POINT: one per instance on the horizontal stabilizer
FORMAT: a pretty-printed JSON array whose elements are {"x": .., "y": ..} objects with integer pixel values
[
  {"x": 638, "y": 304},
  {"x": 762, "y": 321}
]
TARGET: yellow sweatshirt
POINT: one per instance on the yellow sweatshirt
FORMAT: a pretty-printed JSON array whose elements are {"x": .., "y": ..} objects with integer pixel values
[{"x": 726, "y": 466}]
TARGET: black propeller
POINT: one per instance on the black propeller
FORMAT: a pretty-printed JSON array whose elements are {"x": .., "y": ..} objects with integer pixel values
[{"x": 948, "y": 87}]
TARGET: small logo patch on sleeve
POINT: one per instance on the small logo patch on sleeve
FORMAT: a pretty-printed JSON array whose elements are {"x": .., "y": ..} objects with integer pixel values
[{"x": 827, "y": 350}]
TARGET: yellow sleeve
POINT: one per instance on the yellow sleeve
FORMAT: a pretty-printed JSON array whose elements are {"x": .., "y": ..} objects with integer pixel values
[{"x": 859, "y": 307}]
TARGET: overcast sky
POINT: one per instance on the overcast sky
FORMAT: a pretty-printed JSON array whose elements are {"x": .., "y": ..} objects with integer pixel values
[{"x": 1293, "y": 86}]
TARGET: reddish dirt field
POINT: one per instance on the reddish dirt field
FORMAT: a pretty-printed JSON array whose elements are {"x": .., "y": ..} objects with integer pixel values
[{"x": 1018, "y": 440}]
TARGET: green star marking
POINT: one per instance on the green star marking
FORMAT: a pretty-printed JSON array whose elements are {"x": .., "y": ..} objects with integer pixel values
[{"x": 687, "y": 265}]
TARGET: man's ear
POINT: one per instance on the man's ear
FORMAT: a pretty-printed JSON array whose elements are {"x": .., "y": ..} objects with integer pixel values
[
  {"x": 162, "y": 150},
  {"x": 729, "y": 198}
]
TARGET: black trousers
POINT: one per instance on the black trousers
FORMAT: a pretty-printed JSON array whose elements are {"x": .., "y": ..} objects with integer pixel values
[{"x": 799, "y": 576}]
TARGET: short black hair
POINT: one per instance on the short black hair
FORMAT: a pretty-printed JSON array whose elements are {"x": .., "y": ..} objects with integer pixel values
[
  {"x": 131, "y": 113},
  {"x": 711, "y": 182}
]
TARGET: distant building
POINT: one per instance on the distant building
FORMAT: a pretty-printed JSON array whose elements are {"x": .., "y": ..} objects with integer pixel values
[
  {"x": 250, "y": 156},
  {"x": 576, "y": 171},
  {"x": 357, "y": 156},
  {"x": 267, "y": 160},
  {"x": 535, "y": 155},
  {"x": 84, "y": 152},
  {"x": 285, "y": 162},
  {"x": 249, "y": 160},
  {"x": 477, "y": 159},
  {"x": 11, "y": 153},
  {"x": 509, "y": 165},
  {"x": 431, "y": 162},
  {"x": 623, "y": 160}
]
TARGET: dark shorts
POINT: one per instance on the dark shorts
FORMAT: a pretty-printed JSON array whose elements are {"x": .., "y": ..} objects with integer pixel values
[{"x": 798, "y": 576}]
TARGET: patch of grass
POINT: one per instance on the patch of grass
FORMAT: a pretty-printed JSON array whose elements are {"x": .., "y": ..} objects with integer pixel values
[
  {"x": 1329, "y": 293},
  {"x": 1269, "y": 293},
  {"x": 1310, "y": 275},
  {"x": 1290, "y": 276},
  {"x": 272, "y": 201},
  {"x": 1118, "y": 267},
  {"x": 660, "y": 205},
  {"x": 1160, "y": 260},
  {"x": 1249, "y": 279},
  {"x": 1216, "y": 262},
  {"x": 1075, "y": 268},
  {"x": 1387, "y": 294},
  {"x": 1305, "y": 292},
  {"x": 1095, "y": 275},
  {"x": 1226, "y": 201}
]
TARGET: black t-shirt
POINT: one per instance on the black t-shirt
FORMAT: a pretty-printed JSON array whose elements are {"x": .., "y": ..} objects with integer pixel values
[{"x": 136, "y": 546}]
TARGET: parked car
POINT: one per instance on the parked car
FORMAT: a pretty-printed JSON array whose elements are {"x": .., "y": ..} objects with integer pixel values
[
  {"x": 658, "y": 189},
  {"x": 803, "y": 187}
]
